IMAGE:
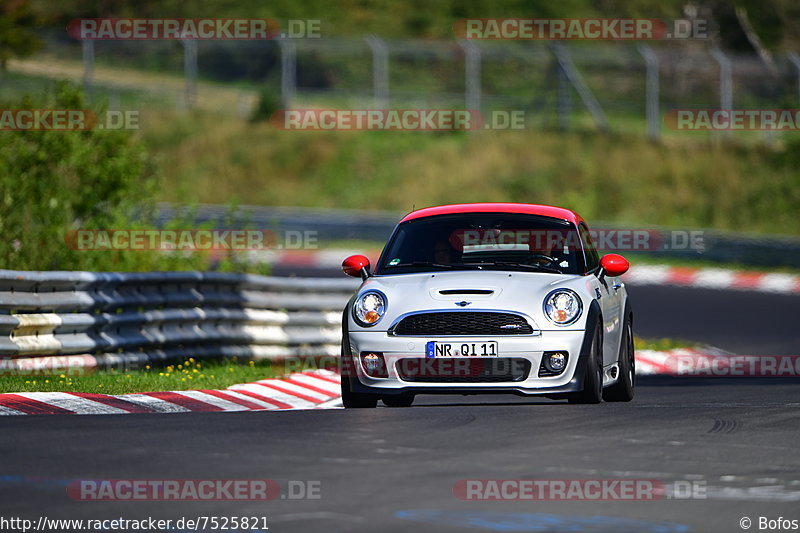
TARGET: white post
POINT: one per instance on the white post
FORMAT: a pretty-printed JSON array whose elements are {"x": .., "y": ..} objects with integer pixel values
[
  {"x": 288, "y": 72},
  {"x": 380, "y": 71},
  {"x": 651, "y": 91}
]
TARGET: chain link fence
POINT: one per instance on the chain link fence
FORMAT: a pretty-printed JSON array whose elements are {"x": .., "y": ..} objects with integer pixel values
[{"x": 616, "y": 86}]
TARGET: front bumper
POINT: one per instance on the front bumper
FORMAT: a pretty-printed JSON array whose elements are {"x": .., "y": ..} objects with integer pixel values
[{"x": 517, "y": 347}]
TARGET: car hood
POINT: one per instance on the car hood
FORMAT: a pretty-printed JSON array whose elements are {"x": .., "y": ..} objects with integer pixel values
[{"x": 519, "y": 292}]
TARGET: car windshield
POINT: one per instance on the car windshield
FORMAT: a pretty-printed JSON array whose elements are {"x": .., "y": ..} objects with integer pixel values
[{"x": 483, "y": 241}]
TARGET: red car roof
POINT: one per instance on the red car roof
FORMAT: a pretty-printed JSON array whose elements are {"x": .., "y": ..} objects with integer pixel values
[{"x": 527, "y": 209}]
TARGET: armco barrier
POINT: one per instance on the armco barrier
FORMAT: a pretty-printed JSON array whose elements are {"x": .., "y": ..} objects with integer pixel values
[
  {"x": 130, "y": 319},
  {"x": 330, "y": 225}
]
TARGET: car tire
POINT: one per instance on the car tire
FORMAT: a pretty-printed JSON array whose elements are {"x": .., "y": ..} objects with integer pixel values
[
  {"x": 625, "y": 387},
  {"x": 593, "y": 377},
  {"x": 398, "y": 400},
  {"x": 350, "y": 399},
  {"x": 356, "y": 400}
]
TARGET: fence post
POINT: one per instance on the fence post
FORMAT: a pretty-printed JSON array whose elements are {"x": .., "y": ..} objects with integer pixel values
[
  {"x": 795, "y": 59},
  {"x": 190, "y": 72},
  {"x": 563, "y": 101},
  {"x": 575, "y": 78},
  {"x": 87, "y": 47},
  {"x": 288, "y": 72},
  {"x": 725, "y": 81},
  {"x": 651, "y": 91},
  {"x": 472, "y": 75},
  {"x": 380, "y": 71}
]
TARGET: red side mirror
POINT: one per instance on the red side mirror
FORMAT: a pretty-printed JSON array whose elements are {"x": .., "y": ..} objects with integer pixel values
[
  {"x": 614, "y": 265},
  {"x": 354, "y": 265}
]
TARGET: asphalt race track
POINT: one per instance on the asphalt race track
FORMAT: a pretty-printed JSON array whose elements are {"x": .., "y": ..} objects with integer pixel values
[
  {"x": 395, "y": 469},
  {"x": 380, "y": 470},
  {"x": 741, "y": 322}
]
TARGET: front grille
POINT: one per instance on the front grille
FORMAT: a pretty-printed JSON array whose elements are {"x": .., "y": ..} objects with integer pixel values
[
  {"x": 463, "y": 323},
  {"x": 463, "y": 370}
]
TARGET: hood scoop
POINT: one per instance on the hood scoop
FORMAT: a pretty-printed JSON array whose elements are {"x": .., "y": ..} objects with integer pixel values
[{"x": 466, "y": 292}]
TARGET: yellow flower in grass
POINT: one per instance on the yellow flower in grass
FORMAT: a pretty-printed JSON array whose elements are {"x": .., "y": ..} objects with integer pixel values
[{"x": 62, "y": 376}]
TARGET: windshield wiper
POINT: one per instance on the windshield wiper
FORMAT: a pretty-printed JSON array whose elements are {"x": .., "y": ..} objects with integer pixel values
[{"x": 541, "y": 268}]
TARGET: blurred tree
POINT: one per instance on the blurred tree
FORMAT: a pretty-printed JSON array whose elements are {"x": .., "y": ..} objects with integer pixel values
[{"x": 16, "y": 38}]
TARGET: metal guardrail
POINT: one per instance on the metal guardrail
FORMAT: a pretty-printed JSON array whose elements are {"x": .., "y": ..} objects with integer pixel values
[
  {"x": 131, "y": 319},
  {"x": 332, "y": 225}
]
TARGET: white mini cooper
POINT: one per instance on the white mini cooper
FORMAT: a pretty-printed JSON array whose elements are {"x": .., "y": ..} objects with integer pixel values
[{"x": 488, "y": 298}]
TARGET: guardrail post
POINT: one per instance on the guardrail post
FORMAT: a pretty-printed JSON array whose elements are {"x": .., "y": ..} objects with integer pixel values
[
  {"x": 651, "y": 91},
  {"x": 87, "y": 48},
  {"x": 190, "y": 72},
  {"x": 725, "y": 81},
  {"x": 288, "y": 72},
  {"x": 472, "y": 75},
  {"x": 380, "y": 71}
]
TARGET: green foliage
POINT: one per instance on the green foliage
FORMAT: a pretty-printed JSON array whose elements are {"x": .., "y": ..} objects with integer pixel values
[
  {"x": 776, "y": 21},
  {"x": 53, "y": 182},
  {"x": 16, "y": 38},
  {"x": 269, "y": 101}
]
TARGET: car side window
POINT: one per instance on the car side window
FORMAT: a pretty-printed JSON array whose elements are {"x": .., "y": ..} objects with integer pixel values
[{"x": 589, "y": 248}]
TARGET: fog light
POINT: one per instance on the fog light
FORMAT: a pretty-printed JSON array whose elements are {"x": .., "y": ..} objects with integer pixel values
[
  {"x": 557, "y": 361},
  {"x": 374, "y": 365},
  {"x": 553, "y": 363}
]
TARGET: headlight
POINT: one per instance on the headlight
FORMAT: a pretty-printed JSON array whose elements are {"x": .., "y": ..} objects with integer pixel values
[
  {"x": 562, "y": 307},
  {"x": 369, "y": 308}
]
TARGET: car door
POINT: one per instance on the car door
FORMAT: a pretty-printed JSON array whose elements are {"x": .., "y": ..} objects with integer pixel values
[{"x": 606, "y": 295}]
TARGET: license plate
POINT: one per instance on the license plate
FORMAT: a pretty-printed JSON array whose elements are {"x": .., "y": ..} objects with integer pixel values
[{"x": 435, "y": 349}]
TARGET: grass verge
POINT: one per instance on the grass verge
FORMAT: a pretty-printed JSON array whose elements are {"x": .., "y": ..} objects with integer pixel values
[
  {"x": 685, "y": 182},
  {"x": 189, "y": 374},
  {"x": 662, "y": 344}
]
